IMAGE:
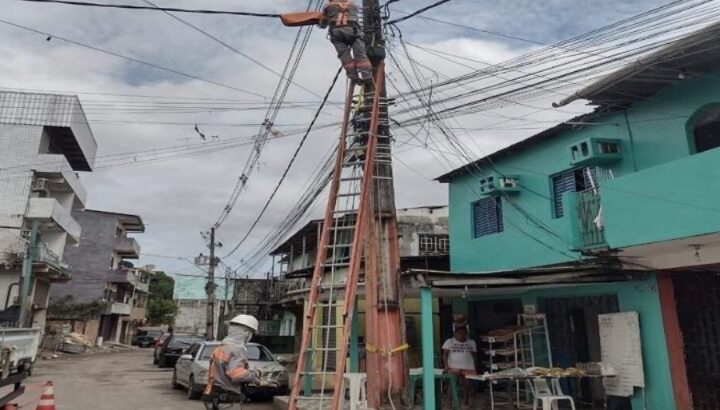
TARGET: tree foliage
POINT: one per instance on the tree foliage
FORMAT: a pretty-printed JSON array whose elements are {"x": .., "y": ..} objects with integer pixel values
[{"x": 161, "y": 308}]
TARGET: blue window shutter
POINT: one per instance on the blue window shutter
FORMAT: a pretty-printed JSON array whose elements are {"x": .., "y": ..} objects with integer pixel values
[
  {"x": 561, "y": 183},
  {"x": 487, "y": 216}
]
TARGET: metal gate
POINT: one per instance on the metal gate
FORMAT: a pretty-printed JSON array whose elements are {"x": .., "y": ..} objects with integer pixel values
[{"x": 698, "y": 308}]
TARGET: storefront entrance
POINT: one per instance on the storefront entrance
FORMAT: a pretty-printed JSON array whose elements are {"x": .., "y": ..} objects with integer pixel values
[{"x": 575, "y": 338}]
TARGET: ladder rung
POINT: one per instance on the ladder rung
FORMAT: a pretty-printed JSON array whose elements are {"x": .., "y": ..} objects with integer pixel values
[
  {"x": 345, "y": 211},
  {"x": 342, "y": 245},
  {"x": 342, "y": 228},
  {"x": 337, "y": 265},
  {"x": 349, "y": 194},
  {"x": 328, "y": 304},
  {"x": 326, "y": 327},
  {"x": 350, "y": 179}
]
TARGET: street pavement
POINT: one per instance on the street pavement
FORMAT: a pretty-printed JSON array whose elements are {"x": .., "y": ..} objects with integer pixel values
[{"x": 124, "y": 380}]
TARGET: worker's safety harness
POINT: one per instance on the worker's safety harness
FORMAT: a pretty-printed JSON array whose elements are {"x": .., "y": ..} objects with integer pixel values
[{"x": 342, "y": 19}]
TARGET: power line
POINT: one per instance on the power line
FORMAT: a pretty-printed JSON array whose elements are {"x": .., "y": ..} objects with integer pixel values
[
  {"x": 173, "y": 9},
  {"x": 129, "y": 58},
  {"x": 415, "y": 13},
  {"x": 287, "y": 168}
]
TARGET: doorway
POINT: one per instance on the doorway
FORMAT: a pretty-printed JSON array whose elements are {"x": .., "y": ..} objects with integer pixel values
[{"x": 575, "y": 338}]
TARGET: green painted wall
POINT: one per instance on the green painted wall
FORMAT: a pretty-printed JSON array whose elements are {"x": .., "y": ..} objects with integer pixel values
[
  {"x": 640, "y": 296},
  {"x": 674, "y": 200},
  {"x": 653, "y": 133}
]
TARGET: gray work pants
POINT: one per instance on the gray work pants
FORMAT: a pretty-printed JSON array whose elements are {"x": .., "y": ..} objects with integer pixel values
[{"x": 351, "y": 51}]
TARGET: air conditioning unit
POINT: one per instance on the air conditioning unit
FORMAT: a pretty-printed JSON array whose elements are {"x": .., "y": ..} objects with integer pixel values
[
  {"x": 496, "y": 184},
  {"x": 40, "y": 184},
  {"x": 595, "y": 151}
]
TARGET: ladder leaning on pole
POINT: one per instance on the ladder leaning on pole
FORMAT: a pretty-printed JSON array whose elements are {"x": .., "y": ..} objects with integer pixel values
[{"x": 329, "y": 308}]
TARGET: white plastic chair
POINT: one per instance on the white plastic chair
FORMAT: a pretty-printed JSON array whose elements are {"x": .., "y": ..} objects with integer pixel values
[
  {"x": 358, "y": 397},
  {"x": 545, "y": 395}
]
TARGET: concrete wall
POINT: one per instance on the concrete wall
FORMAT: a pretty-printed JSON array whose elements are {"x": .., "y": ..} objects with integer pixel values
[
  {"x": 192, "y": 314},
  {"x": 93, "y": 260},
  {"x": 656, "y": 133}
]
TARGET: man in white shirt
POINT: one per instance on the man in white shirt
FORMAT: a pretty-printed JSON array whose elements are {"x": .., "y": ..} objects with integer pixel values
[{"x": 459, "y": 355}]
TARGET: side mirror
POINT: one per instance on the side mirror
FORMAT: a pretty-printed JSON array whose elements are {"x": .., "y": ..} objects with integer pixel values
[{"x": 186, "y": 357}]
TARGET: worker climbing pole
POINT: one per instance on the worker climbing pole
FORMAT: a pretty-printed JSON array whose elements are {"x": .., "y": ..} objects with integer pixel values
[{"x": 359, "y": 230}]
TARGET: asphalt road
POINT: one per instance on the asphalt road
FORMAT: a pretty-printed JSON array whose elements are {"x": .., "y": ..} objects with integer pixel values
[{"x": 111, "y": 381}]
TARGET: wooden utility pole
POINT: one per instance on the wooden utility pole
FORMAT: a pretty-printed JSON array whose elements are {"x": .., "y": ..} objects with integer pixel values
[
  {"x": 385, "y": 320},
  {"x": 210, "y": 290}
]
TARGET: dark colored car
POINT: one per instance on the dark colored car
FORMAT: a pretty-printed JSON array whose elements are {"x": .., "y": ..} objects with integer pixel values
[
  {"x": 174, "y": 346},
  {"x": 146, "y": 337},
  {"x": 158, "y": 346}
]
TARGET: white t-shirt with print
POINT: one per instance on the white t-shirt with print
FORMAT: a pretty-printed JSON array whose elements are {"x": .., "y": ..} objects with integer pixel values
[{"x": 460, "y": 356}]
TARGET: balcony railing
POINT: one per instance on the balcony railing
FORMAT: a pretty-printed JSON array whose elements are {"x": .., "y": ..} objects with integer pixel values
[
  {"x": 43, "y": 254},
  {"x": 589, "y": 211}
]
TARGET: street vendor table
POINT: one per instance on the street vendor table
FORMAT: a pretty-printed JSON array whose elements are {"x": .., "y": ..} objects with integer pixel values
[{"x": 492, "y": 377}]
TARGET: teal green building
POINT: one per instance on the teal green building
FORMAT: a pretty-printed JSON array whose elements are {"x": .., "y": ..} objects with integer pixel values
[{"x": 617, "y": 210}]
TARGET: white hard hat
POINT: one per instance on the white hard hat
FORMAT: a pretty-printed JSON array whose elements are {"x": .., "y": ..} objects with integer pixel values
[{"x": 246, "y": 320}]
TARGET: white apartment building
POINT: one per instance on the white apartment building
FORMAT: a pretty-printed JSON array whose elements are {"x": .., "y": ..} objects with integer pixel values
[{"x": 45, "y": 140}]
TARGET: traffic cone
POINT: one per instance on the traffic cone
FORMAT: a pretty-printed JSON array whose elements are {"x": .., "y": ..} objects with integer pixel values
[{"x": 47, "y": 400}]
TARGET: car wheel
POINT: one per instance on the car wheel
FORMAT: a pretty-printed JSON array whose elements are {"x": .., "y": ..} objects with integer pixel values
[
  {"x": 175, "y": 384},
  {"x": 162, "y": 362},
  {"x": 192, "y": 393}
]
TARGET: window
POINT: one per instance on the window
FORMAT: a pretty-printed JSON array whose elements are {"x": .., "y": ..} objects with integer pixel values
[
  {"x": 434, "y": 244},
  {"x": 576, "y": 180},
  {"x": 706, "y": 130},
  {"x": 259, "y": 353},
  {"x": 487, "y": 217}
]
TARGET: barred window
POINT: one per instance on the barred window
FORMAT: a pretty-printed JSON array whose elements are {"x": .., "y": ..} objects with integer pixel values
[{"x": 433, "y": 244}]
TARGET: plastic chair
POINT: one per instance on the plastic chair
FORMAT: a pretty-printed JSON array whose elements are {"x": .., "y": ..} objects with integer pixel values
[
  {"x": 543, "y": 394},
  {"x": 358, "y": 397}
]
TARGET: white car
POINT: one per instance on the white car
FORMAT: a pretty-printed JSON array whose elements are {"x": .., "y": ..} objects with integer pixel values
[{"x": 191, "y": 370}]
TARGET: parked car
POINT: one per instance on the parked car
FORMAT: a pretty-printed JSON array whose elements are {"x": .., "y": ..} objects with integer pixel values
[
  {"x": 173, "y": 347},
  {"x": 158, "y": 345},
  {"x": 146, "y": 337},
  {"x": 192, "y": 368}
]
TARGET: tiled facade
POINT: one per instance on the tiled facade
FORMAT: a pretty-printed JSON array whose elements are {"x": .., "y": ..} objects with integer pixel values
[{"x": 44, "y": 140}]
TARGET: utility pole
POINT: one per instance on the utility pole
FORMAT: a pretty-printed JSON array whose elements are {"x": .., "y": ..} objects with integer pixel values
[
  {"x": 26, "y": 276},
  {"x": 385, "y": 319},
  {"x": 210, "y": 290}
]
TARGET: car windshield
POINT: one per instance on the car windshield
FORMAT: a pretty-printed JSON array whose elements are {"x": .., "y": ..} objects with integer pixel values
[
  {"x": 153, "y": 333},
  {"x": 259, "y": 353},
  {"x": 184, "y": 340},
  {"x": 207, "y": 351}
]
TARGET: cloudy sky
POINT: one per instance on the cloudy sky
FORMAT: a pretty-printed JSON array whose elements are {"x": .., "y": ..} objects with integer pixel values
[{"x": 136, "y": 108}]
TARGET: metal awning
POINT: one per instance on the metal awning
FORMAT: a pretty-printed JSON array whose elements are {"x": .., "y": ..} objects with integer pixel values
[{"x": 516, "y": 280}]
